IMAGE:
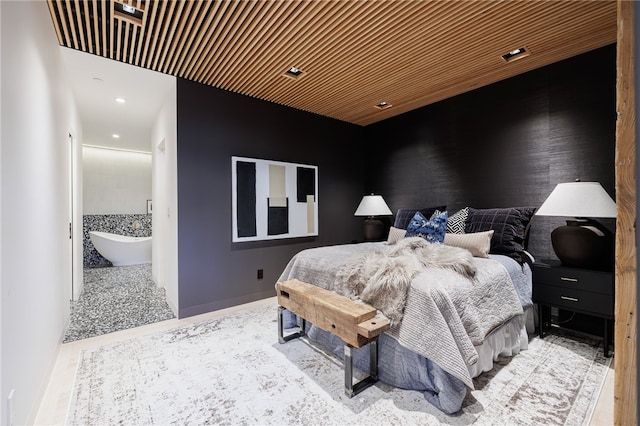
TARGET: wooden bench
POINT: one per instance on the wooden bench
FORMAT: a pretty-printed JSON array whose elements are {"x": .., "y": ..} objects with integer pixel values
[{"x": 353, "y": 322}]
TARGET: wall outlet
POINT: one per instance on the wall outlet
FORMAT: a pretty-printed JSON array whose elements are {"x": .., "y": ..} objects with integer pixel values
[
  {"x": 260, "y": 274},
  {"x": 10, "y": 407}
]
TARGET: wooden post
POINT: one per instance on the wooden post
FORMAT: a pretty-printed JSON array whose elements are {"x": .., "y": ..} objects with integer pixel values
[{"x": 625, "y": 361}]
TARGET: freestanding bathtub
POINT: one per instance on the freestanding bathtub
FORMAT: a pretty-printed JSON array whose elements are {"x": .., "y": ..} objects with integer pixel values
[{"x": 122, "y": 250}]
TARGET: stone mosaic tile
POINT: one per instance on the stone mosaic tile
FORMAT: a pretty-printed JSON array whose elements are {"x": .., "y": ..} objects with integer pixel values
[
  {"x": 134, "y": 225},
  {"x": 116, "y": 298}
]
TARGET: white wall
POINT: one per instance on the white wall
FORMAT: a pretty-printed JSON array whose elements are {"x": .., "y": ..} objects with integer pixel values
[
  {"x": 38, "y": 113},
  {"x": 115, "y": 182},
  {"x": 165, "y": 200}
]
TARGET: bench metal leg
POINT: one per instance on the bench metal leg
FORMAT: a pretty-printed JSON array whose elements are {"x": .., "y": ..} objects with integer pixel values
[
  {"x": 281, "y": 337},
  {"x": 350, "y": 388}
]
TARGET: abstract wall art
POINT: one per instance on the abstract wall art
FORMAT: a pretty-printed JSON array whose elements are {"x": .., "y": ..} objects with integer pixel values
[{"x": 273, "y": 199}]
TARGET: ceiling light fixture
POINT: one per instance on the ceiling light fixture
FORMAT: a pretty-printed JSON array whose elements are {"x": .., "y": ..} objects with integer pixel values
[
  {"x": 129, "y": 9},
  {"x": 127, "y": 12},
  {"x": 121, "y": 100},
  {"x": 383, "y": 105},
  {"x": 293, "y": 72},
  {"x": 515, "y": 54},
  {"x": 115, "y": 136}
]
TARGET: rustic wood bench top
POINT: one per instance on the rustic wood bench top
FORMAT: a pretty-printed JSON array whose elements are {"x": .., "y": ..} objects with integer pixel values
[{"x": 354, "y": 322}]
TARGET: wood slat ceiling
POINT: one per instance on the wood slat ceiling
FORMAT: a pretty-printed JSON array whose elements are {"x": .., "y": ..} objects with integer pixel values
[{"x": 353, "y": 54}]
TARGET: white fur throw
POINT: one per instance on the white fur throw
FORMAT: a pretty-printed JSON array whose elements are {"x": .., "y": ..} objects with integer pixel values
[{"x": 382, "y": 278}]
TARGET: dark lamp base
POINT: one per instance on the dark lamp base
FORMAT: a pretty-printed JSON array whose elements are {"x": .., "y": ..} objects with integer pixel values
[
  {"x": 372, "y": 229},
  {"x": 583, "y": 244}
]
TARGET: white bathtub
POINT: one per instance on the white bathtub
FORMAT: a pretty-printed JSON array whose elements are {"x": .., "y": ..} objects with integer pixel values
[{"x": 122, "y": 250}]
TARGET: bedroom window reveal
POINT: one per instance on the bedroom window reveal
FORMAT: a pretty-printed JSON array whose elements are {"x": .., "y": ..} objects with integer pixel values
[{"x": 273, "y": 199}]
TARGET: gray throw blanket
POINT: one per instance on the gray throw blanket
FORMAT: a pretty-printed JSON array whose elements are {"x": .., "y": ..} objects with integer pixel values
[
  {"x": 445, "y": 314},
  {"x": 383, "y": 277}
]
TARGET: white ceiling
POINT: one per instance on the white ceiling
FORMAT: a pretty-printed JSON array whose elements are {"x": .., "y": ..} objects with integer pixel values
[{"x": 145, "y": 92}]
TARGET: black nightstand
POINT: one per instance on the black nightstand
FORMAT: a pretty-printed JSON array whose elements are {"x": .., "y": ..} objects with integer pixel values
[{"x": 577, "y": 290}]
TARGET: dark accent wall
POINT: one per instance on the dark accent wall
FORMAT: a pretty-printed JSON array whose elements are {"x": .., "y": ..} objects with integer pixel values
[
  {"x": 214, "y": 125},
  {"x": 507, "y": 144}
]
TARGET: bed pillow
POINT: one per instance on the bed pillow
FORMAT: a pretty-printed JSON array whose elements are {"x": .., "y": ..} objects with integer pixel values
[
  {"x": 404, "y": 216},
  {"x": 478, "y": 243},
  {"x": 432, "y": 230},
  {"x": 395, "y": 235},
  {"x": 456, "y": 222},
  {"x": 510, "y": 226}
]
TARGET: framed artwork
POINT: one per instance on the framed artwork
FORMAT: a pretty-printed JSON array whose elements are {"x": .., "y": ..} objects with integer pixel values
[{"x": 273, "y": 199}]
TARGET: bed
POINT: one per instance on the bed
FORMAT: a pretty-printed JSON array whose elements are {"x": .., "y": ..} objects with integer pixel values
[{"x": 456, "y": 316}]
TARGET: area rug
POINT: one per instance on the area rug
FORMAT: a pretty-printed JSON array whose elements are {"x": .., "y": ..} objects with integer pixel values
[
  {"x": 116, "y": 298},
  {"x": 233, "y": 371}
]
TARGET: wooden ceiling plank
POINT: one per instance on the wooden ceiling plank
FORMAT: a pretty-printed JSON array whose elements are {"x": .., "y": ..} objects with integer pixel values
[
  {"x": 72, "y": 26},
  {"x": 277, "y": 64},
  {"x": 112, "y": 35},
  {"x": 245, "y": 41},
  {"x": 136, "y": 41},
  {"x": 105, "y": 40},
  {"x": 96, "y": 27},
  {"x": 217, "y": 11},
  {"x": 150, "y": 30},
  {"x": 167, "y": 17},
  {"x": 56, "y": 25},
  {"x": 246, "y": 55},
  {"x": 127, "y": 29},
  {"x": 262, "y": 47},
  {"x": 305, "y": 50},
  {"x": 223, "y": 26},
  {"x": 175, "y": 36},
  {"x": 339, "y": 63},
  {"x": 187, "y": 45},
  {"x": 229, "y": 40},
  {"x": 121, "y": 23},
  {"x": 78, "y": 18},
  {"x": 87, "y": 23},
  {"x": 140, "y": 41},
  {"x": 183, "y": 30},
  {"x": 282, "y": 48}
]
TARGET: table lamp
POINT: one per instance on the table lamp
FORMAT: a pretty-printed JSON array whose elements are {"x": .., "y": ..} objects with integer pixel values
[
  {"x": 371, "y": 206},
  {"x": 582, "y": 242}
]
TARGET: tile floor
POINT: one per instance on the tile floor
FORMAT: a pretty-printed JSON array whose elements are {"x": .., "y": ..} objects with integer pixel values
[
  {"x": 116, "y": 298},
  {"x": 54, "y": 404}
]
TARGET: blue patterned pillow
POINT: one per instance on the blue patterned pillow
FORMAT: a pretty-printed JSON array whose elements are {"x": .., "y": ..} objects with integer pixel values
[{"x": 432, "y": 230}]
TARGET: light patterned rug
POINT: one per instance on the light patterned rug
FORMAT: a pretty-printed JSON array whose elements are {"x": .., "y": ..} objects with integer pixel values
[{"x": 233, "y": 371}]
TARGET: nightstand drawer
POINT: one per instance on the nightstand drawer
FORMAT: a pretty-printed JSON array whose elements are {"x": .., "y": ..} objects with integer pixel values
[
  {"x": 588, "y": 302},
  {"x": 575, "y": 279}
]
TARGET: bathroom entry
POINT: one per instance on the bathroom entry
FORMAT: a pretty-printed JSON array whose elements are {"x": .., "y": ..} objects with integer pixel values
[{"x": 118, "y": 291}]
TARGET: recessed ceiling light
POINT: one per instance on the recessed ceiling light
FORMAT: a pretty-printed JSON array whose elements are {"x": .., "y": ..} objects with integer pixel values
[
  {"x": 383, "y": 105},
  {"x": 515, "y": 54},
  {"x": 293, "y": 72},
  {"x": 115, "y": 136},
  {"x": 121, "y": 100},
  {"x": 127, "y": 12},
  {"x": 129, "y": 9}
]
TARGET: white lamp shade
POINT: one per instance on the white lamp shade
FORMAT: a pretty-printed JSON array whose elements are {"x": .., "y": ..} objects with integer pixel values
[
  {"x": 372, "y": 205},
  {"x": 578, "y": 199}
]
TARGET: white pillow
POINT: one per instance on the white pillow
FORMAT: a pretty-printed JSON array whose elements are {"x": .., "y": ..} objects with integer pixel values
[
  {"x": 395, "y": 235},
  {"x": 478, "y": 243}
]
